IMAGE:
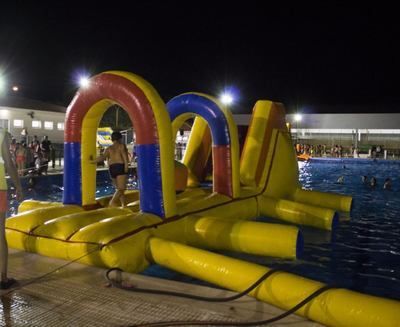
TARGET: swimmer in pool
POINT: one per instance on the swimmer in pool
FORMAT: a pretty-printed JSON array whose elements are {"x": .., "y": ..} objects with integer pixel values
[
  {"x": 117, "y": 159},
  {"x": 373, "y": 181},
  {"x": 388, "y": 184},
  {"x": 340, "y": 180},
  {"x": 364, "y": 179}
]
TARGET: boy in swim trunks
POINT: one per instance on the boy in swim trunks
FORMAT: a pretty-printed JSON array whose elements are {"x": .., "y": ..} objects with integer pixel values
[{"x": 117, "y": 159}]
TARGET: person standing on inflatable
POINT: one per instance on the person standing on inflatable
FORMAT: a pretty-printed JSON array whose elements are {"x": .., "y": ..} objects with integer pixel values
[
  {"x": 117, "y": 159},
  {"x": 6, "y": 164}
]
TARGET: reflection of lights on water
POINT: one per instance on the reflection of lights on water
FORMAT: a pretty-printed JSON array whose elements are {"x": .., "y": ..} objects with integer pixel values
[{"x": 305, "y": 174}]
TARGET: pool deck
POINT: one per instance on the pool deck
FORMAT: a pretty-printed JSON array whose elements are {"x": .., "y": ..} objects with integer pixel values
[{"x": 53, "y": 292}]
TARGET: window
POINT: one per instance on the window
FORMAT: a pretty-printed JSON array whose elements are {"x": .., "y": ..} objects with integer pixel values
[
  {"x": 36, "y": 124},
  {"x": 19, "y": 123},
  {"x": 60, "y": 126},
  {"x": 48, "y": 125}
]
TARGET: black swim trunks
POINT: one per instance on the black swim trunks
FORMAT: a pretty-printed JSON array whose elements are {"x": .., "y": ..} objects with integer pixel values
[{"x": 117, "y": 169}]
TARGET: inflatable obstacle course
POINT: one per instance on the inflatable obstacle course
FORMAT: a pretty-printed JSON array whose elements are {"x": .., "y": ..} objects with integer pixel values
[{"x": 162, "y": 226}]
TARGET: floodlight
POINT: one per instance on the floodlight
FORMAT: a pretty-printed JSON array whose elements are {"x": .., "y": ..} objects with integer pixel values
[
  {"x": 226, "y": 98},
  {"x": 298, "y": 117},
  {"x": 84, "y": 82}
]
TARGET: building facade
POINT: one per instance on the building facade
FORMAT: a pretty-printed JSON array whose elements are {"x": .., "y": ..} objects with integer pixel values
[
  {"x": 361, "y": 131},
  {"x": 37, "y": 118}
]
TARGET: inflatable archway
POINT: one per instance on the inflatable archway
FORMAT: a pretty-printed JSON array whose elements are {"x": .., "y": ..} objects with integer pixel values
[
  {"x": 153, "y": 134},
  {"x": 225, "y": 150}
]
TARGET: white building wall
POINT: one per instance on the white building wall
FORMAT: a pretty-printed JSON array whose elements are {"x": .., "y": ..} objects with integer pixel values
[
  {"x": 11, "y": 114},
  {"x": 344, "y": 129},
  {"x": 346, "y": 121}
]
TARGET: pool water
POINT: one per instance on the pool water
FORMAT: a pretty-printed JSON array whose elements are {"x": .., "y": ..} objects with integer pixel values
[
  {"x": 362, "y": 254},
  {"x": 49, "y": 188}
]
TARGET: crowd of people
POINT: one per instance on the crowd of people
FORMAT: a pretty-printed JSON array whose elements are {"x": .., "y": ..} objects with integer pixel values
[
  {"x": 321, "y": 150},
  {"x": 32, "y": 157},
  {"x": 336, "y": 150}
]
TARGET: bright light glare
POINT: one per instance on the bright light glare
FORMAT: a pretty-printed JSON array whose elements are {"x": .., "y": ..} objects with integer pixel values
[
  {"x": 84, "y": 82},
  {"x": 15, "y": 88},
  {"x": 298, "y": 117},
  {"x": 226, "y": 98}
]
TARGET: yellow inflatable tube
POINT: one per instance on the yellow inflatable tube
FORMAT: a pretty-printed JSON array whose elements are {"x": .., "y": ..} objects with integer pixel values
[
  {"x": 67, "y": 231},
  {"x": 298, "y": 213},
  {"x": 334, "y": 307},
  {"x": 27, "y": 205},
  {"x": 330, "y": 200},
  {"x": 197, "y": 152},
  {"x": 244, "y": 236}
]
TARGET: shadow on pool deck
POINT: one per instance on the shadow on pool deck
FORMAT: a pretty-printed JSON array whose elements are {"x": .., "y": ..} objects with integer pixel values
[{"x": 78, "y": 295}]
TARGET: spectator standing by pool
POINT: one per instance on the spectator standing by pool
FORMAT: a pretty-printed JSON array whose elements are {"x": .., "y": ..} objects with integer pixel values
[
  {"x": 35, "y": 148},
  {"x": 30, "y": 161},
  {"x": 351, "y": 151},
  {"x": 20, "y": 158},
  {"x": 53, "y": 157},
  {"x": 24, "y": 136},
  {"x": 13, "y": 148},
  {"x": 45, "y": 146},
  {"x": 6, "y": 164}
]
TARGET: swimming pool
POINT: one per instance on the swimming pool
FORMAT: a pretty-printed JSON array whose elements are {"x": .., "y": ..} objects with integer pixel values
[{"x": 362, "y": 254}]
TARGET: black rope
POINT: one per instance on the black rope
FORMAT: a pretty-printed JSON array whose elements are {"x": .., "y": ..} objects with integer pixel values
[
  {"x": 238, "y": 323},
  {"x": 213, "y": 299},
  {"x": 190, "y": 296}
]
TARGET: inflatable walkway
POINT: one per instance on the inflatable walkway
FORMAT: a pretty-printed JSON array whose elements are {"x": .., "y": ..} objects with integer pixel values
[{"x": 174, "y": 229}]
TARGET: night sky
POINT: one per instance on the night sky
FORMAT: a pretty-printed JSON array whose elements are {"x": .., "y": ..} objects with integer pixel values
[{"x": 326, "y": 57}]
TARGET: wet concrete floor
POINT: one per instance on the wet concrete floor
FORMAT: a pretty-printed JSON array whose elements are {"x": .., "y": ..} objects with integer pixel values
[{"x": 52, "y": 292}]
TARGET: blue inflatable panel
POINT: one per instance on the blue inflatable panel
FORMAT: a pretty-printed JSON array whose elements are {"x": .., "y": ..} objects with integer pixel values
[
  {"x": 149, "y": 174},
  {"x": 72, "y": 173},
  {"x": 205, "y": 108}
]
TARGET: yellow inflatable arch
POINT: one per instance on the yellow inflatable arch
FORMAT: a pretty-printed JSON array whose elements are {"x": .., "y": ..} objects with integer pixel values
[{"x": 153, "y": 140}]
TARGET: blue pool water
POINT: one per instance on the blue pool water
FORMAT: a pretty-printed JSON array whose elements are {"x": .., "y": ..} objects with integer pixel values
[
  {"x": 49, "y": 188},
  {"x": 362, "y": 254}
]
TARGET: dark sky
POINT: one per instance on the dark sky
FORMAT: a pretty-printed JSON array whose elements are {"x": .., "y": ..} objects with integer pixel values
[{"x": 325, "y": 56}]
